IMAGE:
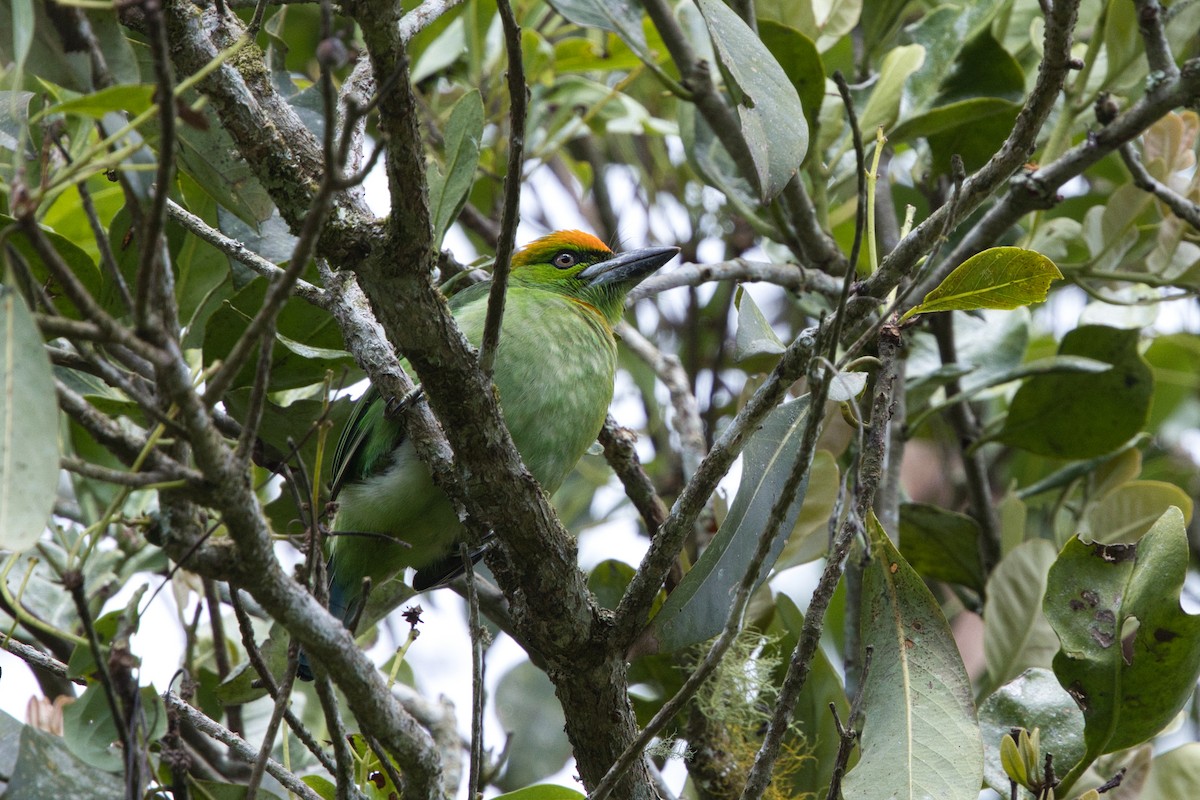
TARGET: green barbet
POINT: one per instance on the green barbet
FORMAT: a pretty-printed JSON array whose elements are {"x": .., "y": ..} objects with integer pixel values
[{"x": 554, "y": 370}]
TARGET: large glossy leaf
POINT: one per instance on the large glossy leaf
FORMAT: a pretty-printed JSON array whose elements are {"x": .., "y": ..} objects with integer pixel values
[
  {"x": 972, "y": 129},
  {"x": 448, "y": 187},
  {"x": 127, "y": 98},
  {"x": 1002, "y": 277},
  {"x": 1083, "y": 415},
  {"x": 28, "y": 427},
  {"x": 542, "y": 791},
  {"x": 91, "y": 732},
  {"x": 1016, "y": 635},
  {"x": 1128, "y": 511},
  {"x": 308, "y": 341},
  {"x": 1130, "y": 655},
  {"x": 46, "y": 768},
  {"x": 697, "y": 609},
  {"x": 768, "y": 106},
  {"x": 944, "y": 33},
  {"x": 800, "y": 61},
  {"x": 810, "y": 534},
  {"x": 756, "y": 345},
  {"x": 1174, "y": 774},
  {"x": 920, "y": 738},
  {"x": 1032, "y": 700},
  {"x": 883, "y": 107},
  {"x": 941, "y": 545},
  {"x": 622, "y": 17},
  {"x": 531, "y": 715},
  {"x": 82, "y": 266}
]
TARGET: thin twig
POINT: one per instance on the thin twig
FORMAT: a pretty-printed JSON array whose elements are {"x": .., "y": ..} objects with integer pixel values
[
  {"x": 1154, "y": 35},
  {"x": 151, "y": 251},
  {"x": 847, "y": 734},
  {"x": 238, "y": 746},
  {"x": 870, "y": 470},
  {"x": 254, "y": 655},
  {"x": 475, "y": 767},
  {"x": 518, "y": 95},
  {"x": 240, "y": 253},
  {"x": 1183, "y": 208},
  {"x": 669, "y": 370},
  {"x": 754, "y": 573},
  {"x": 764, "y": 762}
]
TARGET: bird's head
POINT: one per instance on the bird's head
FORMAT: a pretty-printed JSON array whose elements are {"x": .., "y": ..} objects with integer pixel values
[{"x": 581, "y": 266}]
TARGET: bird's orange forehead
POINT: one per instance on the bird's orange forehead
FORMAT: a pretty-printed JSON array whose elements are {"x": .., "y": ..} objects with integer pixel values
[{"x": 544, "y": 248}]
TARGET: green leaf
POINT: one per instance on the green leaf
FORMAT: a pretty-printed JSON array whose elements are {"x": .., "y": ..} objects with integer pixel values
[
  {"x": 448, "y": 191},
  {"x": 1016, "y": 635},
  {"x": 1128, "y": 511},
  {"x": 608, "y": 581},
  {"x": 972, "y": 129},
  {"x": 1081, "y": 415},
  {"x": 768, "y": 106},
  {"x": 23, "y": 24},
  {"x": 947, "y": 35},
  {"x": 941, "y": 545},
  {"x": 218, "y": 790},
  {"x": 81, "y": 264},
  {"x": 90, "y": 732},
  {"x": 622, "y": 17},
  {"x": 543, "y": 791},
  {"x": 532, "y": 716},
  {"x": 1002, "y": 277},
  {"x": 209, "y": 156},
  {"x": 920, "y": 731},
  {"x": 884, "y": 106},
  {"x": 28, "y": 427},
  {"x": 755, "y": 342},
  {"x": 798, "y": 58},
  {"x": 46, "y": 768},
  {"x": 325, "y": 788},
  {"x": 308, "y": 341},
  {"x": 1175, "y": 359},
  {"x": 697, "y": 609},
  {"x": 1174, "y": 774},
  {"x": 1033, "y": 700},
  {"x": 820, "y": 499},
  {"x": 131, "y": 99},
  {"x": 1130, "y": 655},
  {"x": 10, "y": 739},
  {"x": 1052, "y": 365}
]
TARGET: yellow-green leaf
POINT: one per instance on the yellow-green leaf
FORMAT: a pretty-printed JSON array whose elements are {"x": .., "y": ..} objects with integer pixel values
[{"x": 1002, "y": 277}]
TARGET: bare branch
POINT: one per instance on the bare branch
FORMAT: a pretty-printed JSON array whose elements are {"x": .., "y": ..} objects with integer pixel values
[
  {"x": 1183, "y": 208},
  {"x": 1154, "y": 36},
  {"x": 792, "y": 277},
  {"x": 240, "y": 253},
  {"x": 518, "y": 94}
]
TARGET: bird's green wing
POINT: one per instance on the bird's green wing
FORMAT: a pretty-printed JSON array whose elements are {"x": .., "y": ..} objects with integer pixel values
[{"x": 366, "y": 443}]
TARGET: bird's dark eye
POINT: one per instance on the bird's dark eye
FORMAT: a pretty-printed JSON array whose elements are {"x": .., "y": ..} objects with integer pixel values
[{"x": 564, "y": 260}]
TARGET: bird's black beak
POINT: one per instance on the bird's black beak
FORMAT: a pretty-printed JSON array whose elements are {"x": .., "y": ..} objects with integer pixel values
[{"x": 628, "y": 268}]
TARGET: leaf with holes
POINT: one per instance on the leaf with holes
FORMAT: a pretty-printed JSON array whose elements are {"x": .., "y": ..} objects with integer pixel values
[{"x": 1130, "y": 655}]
